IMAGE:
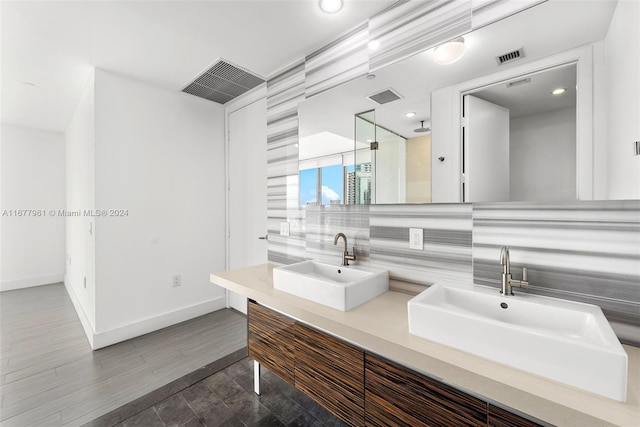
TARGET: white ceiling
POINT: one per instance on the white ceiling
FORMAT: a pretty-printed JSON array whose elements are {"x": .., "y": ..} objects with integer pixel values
[
  {"x": 56, "y": 44},
  {"x": 533, "y": 95}
]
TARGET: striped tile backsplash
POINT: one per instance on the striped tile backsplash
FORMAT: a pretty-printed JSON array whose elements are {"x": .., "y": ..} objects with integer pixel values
[
  {"x": 284, "y": 93},
  {"x": 582, "y": 251},
  {"x": 446, "y": 236},
  {"x": 324, "y": 222}
]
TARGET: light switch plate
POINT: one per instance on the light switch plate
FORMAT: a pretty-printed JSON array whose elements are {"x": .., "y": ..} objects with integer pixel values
[
  {"x": 415, "y": 239},
  {"x": 284, "y": 228}
]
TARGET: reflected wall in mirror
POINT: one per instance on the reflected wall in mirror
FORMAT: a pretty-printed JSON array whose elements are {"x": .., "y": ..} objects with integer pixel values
[
  {"x": 547, "y": 41},
  {"x": 519, "y": 138}
]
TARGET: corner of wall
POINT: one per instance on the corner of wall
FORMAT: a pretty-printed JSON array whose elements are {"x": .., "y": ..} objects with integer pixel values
[
  {"x": 82, "y": 316},
  {"x": 151, "y": 324}
]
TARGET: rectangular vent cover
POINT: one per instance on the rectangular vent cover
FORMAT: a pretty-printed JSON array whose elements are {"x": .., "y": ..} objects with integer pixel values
[
  {"x": 223, "y": 82},
  {"x": 510, "y": 57},
  {"x": 386, "y": 96},
  {"x": 519, "y": 82}
]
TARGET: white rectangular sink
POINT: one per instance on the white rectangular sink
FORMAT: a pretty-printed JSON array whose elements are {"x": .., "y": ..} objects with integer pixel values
[
  {"x": 339, "y": 287},
  {"x": 566, "y": 341}
]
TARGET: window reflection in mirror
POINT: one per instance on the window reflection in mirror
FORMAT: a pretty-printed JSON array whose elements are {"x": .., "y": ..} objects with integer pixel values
[{"x": 326, "y": 185}]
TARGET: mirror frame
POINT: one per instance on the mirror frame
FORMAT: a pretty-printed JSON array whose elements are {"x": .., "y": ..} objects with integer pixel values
[{"x": 583, "y": 59}]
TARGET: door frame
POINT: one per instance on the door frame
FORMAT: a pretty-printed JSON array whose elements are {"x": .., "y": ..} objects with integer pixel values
[
  {"x": 245, "y": 100},
  {"x": 583, "y": 59}
]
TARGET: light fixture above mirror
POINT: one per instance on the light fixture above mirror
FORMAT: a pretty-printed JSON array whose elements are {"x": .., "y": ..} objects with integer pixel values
[
  {"x": 449, "y": 52},
  {"x": 331, "y": 6}
]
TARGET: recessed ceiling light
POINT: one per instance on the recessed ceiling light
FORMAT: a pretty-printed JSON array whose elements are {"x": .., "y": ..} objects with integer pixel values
[
  {"x": 371, "y": 76},
  {"x": 449, "y": 52},
  {"x": 330, "y": 6},
  {"x": 409, "y": 114},
  {"x": 373, "y": 44},
  {"x": 558, "y": 91}
]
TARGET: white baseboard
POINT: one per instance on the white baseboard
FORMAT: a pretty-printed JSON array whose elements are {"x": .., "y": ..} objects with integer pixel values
[
  {"x": 84, "y": 320},
  {"x": 10, "y": 285},
  {"x": 113, "y": 336}
]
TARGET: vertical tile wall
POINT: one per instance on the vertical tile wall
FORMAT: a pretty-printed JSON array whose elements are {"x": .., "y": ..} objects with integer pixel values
[
  {"x": 284, "y": 93},
  {"x": 582, "y": 251},
  {"x": 324, "y": 222},
  {"x": 408, "y": 27},
  {"x": 446, "y": 238},
  {"x": 340, "y": 61}
]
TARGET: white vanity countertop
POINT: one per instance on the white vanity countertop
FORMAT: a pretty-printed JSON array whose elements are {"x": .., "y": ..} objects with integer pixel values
[{"x": 381, "y": 326}]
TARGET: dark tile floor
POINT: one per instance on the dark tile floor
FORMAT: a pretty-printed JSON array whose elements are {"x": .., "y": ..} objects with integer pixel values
[{"x": 226, "y": 398}]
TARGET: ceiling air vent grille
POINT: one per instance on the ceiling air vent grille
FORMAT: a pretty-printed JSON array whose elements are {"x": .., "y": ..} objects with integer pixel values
[
  {"x": 386, "y": 96},
  {"x": 223, "y": 82},
  {"x": 510, "y": 57}
]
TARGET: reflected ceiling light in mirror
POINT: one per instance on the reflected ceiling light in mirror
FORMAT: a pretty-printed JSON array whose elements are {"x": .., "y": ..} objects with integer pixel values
[
  {"x": 449, "y": 52},
  {"x": 409, "y": 114},
  {"x": 558, "y": 91},
  {"x": 331, "y": 6},
  {"x": 373, "y": 44}
]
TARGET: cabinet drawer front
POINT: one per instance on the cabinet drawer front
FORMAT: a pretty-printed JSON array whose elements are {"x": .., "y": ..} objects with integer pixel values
[
  {"x": 499, "y": 417},
  {"x": 331, "y": 372},
  {"x": 395, "y": 395},
  {"x": 271, "y": 340}
]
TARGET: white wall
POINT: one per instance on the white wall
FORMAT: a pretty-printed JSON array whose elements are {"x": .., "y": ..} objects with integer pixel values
[
  {"x": 80, "y": 184},
  {"x": 622, "y": 62},
  {"x": 32, "y": 177},
  {"x": 543, "y": 156},
  {"x": 160, "y": 156},
  {"x": 445, "y": 174},
  {"x": 247, "y": 179}
]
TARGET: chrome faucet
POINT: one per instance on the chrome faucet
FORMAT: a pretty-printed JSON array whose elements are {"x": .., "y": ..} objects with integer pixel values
[
  {"x": 346, "y": 256},
  {"x": 507, "y": 281}
]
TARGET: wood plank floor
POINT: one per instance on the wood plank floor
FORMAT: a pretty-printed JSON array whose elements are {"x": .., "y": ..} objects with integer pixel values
[{"x": 49, "y": 376}]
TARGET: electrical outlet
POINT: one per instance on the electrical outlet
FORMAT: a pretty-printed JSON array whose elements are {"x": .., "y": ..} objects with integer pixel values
[
  {"x": 416, "y": 239},
  {"x": 284, "y": 228},
  {"x": 177, "y": 280}
]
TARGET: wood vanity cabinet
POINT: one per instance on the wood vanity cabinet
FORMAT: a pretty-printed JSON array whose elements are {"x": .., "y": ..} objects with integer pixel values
[
  {"x": 499, "y": 417},
  {"x": 362, "y": 388},
  {"x": 395, "y": 395},
  {"x": 271, "y": 340},
  {"x": 331, "y": 372}
]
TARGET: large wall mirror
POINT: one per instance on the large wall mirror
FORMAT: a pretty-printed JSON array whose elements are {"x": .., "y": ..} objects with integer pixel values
[{"x": 484, "y": 128}]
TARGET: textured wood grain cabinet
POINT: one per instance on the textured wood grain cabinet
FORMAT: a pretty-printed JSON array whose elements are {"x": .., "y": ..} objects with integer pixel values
[
  {"x": 398, "y": 396},
  {"x": 362, "y": 388},
  {"x": 331, "y": 372},
  {"x": 271, "y": 340},
  {"x": 499, "y": 417}
]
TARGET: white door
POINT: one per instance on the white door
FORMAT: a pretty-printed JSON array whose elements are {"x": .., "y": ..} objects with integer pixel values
[
  {"x": 485, "y": 151},
  {"x": 247, "y": 197}
]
